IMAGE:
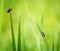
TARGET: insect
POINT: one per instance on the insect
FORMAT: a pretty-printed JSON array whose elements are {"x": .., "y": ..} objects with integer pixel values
[
  {"x": 9, "y": 10},
  {"x": 43, "y": 34}
]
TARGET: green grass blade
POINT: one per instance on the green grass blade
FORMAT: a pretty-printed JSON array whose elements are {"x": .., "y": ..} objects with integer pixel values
[
  {"x": 46, "y": 44},
  {"x": 19, "y": 37},
  {"x": 25, "y": 48},
  {"x": 43, "y": 35},
  {"x": 53, "y": 44},
  {"x": 39, "y": 28},
  {"x": 24, "y": 43},
  {"x": 13, "y": 39},
  {"x": 58, "y": 42}
]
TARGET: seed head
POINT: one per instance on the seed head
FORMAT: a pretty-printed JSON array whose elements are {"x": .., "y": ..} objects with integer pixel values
[{"x": 9, "y": 10}]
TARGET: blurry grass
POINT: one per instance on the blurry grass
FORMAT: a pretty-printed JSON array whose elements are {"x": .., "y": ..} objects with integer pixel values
[
  {"x": 24, "y": 44},
  {"x": 13, "y": 39},
  {"x": 1, "y": 17},
  {"x": 42, "y": 33},
  {"x": 1, "y": 12},
  {"x": 58, "y": 42},
  {"x": 42, "y": 19},
  {"x": 43, "y": 36},
  {"x": 53, "y": 44},
  {"x": 19, "y": 37},
  {"x": 41, "y": 47}
]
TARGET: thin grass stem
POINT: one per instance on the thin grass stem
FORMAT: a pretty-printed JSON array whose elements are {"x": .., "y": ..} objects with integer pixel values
[
  {"x": 19, "y": 37},
  {"x": 43, "y": 35},
  {"x": 13, "y": 39}
]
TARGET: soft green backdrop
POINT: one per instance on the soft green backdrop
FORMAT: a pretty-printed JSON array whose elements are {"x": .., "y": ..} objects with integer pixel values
[{"x": 30, "y": 11}]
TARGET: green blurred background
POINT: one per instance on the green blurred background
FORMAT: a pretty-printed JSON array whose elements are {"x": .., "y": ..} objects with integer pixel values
[{"x": 30, "y": 11}]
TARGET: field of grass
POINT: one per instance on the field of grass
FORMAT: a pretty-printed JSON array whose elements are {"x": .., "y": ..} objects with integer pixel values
[{"x": 29, "y": 25}]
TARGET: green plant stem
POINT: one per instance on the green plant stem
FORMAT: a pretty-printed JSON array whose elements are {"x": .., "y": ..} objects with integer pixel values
[
  {"x": 46, "y": 44},
  {"x": 19, "y": 37},
  {"x": 53, "y": 44},
  {"x": 58, "y": 42},
  {"x": 13, "y": 39},
  {"x": 43, "y": 37}
]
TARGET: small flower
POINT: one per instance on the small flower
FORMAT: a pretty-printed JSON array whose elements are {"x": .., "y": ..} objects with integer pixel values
[
  {"x": 9, "y": 10},
  {"x": 43, "y": 34}
]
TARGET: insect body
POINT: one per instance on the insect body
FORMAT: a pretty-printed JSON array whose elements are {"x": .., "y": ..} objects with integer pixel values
[
  {"x": 43, "y": 34},
  {"x": 9, "y": 10}
]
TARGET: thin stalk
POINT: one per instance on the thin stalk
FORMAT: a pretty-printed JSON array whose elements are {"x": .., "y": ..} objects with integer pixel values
[
  {"x": 43, "y": 35},
  {"x": 19, "y": 37},
  {"x": 58, "y": 42},
  {"x": 13, "y": 39},
  {"x": 53, "y": 44}
]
